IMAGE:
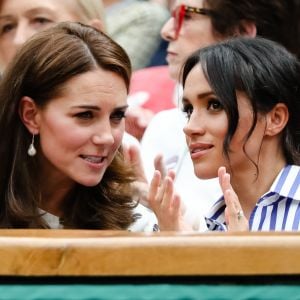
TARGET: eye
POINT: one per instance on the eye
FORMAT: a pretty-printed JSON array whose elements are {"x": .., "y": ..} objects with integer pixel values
[
  {"x": 187, "y": 16},
  {"x": 85, "y": 115},
  {"x": 7, "y": 28},
  {"x": 117, "y": 116},
  {"x": 188, "y": 110},
  {"x": 42, "y": 20},
  {"x": 214, "y": 105}
]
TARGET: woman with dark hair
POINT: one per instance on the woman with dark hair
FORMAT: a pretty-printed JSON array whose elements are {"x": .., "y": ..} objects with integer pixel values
[
  {"x": 194, "y": 24},
  {"x": 242, "y": 101},
  {"x": 63, "y": 102}
]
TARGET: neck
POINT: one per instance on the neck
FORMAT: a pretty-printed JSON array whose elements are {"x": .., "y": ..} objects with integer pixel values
[
  {"x": 250, "y": 183},
  {"x": 54, "y": 195}
]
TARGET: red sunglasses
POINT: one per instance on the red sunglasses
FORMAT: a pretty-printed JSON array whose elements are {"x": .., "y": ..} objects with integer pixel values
[{"x": 179, "y": 13}]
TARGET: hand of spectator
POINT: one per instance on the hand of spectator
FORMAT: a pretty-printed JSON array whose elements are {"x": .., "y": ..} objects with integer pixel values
[
  {"x": 137, "y": 120},
  {"x": 234, "y": 216},
  {"x": 166, "y": 204},
  {"x": 159, "y": 165}
]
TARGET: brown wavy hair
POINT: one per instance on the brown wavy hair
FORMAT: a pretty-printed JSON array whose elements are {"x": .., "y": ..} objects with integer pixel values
[{"x": 41, "y": 67}]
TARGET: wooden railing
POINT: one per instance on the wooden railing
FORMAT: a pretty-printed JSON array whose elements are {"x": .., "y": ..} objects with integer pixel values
[{"x": 117, "y": 253}]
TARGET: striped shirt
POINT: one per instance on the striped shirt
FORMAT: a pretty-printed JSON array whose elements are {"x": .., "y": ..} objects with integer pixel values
[{"x": 276, "y": 210}]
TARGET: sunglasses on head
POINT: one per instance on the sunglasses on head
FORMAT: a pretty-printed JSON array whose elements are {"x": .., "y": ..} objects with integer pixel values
[{"x": 179, "y": 13}]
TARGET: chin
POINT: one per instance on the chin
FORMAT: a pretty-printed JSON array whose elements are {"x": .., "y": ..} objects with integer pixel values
[
  {"x": 202, "y": 174},
  {"x": 90, "y": 182},
  {"x": 174, "y": 72}
]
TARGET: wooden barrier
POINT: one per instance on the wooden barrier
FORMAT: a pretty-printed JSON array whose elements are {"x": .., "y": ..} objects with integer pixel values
[{"x": 117, "y": 253}]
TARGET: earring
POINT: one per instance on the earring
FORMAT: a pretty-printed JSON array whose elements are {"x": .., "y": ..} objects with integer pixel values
[{"x": 31, "y": 150}]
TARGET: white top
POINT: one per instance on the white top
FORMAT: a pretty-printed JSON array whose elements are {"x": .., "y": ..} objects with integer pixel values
[
  {"x": 146, "y": 223},
  {"x": 164, "y": 135}
]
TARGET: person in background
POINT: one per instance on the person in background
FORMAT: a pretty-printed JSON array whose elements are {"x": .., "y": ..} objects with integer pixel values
[
  {"x": 136, "y": 25},
  {"x": 195, "y": 24},
  {"x": 20, "y": 19},
  {"x": 242, "y": 101},
  {"x": 62, "y": 108}
]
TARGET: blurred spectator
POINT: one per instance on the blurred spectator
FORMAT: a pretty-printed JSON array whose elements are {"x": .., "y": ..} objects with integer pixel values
[
  {"x": 20, "y": 19},
  {"x": 151, "y": 90},
  {"x": 136, "y": 25}
]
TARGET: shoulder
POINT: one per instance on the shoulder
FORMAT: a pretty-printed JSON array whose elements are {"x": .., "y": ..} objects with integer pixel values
[{"x": 287, "y": 182}]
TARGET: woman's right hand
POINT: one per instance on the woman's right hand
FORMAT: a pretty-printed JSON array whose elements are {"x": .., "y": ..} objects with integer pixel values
[{"x": 166, "y": 204}]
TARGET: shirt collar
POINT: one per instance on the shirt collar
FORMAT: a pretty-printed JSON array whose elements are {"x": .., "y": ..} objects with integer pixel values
[{"x": 286, "y": 184}]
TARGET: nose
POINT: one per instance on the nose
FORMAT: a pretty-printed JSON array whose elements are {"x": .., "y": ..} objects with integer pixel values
[
  {"x": 194, "y": 126},
  {"x": 168, "y": 30},
  {"x": 103, "y": 135},
  {"x": 22, "y": 34}
]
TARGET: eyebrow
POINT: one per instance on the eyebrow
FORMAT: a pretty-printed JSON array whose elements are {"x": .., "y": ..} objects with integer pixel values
[
  {"x": 31, "y": 11},
  {"x": 94, "y": 107},
  {"x": 200, "y": 96}
]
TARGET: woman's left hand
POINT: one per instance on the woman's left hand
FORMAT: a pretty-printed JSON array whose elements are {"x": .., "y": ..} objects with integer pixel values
[{"x": 234, "y": 216}]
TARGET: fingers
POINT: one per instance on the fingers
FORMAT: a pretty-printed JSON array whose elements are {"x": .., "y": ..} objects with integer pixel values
[
  {"x": 167, "y": 193},
  {"x": 159, "y": 165},
  {"x": 234, "y": 216},
  {"x": 154, "y": 200},
  {"x": 165, "y": 203},
  {"x": 224, "y": 179},
  {"x": 232, "y": 204}
]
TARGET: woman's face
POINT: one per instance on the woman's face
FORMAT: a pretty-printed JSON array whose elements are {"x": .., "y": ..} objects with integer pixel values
[
  {"x": 81, "y": 130},
  {"x": 196, "y": 32},
  {"x": 207, "y": 127},
  {"x": 20, "y": 19}
]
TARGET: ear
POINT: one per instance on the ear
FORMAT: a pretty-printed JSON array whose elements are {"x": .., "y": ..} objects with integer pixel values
[
  {"x": 277, "y": 119},
  {"x": 29, "y": 114},
  {"x": 247, "y": 28},
  {"x": 98, "y": 24}
]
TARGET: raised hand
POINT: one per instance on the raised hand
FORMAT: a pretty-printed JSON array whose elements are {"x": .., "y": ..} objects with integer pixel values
[
  {"x": 166, "y": 204},
  {"x": 234, "y": 216},
  {"x": 159, "y": 165}
]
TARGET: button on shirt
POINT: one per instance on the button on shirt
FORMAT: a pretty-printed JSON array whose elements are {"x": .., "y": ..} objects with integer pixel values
[{"x": 276, "y": 210}]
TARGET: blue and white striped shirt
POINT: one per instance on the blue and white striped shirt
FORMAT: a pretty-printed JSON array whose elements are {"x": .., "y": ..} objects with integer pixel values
[{"x": 276, "y": 210}]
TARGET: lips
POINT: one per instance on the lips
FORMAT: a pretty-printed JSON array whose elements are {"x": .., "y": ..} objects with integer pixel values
[
  {"x": 199, "y": 149},
  {"x": 94, "y": 159},
  {"x": 171, "y": 55}
]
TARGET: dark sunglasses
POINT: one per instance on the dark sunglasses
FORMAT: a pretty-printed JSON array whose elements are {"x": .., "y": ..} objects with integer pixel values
[{"x": 179, "y": 13}]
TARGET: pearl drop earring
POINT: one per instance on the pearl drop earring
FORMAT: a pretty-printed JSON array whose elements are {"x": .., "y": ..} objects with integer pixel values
[{"x": 31, "y": 150}]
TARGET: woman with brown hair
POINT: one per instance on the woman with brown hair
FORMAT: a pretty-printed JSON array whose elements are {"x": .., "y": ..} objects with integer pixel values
[{"x": 63, "y": 102}]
